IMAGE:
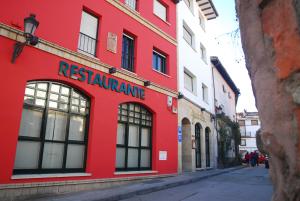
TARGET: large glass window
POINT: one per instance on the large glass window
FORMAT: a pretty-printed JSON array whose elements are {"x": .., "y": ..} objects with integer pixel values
[
  {"x": 53, "y": 130},
  {"x": 188, "y": 36},
  {"x": 159, "y": 62},
  {"x": 88, "y": 34},
  {"x": 128, "y": 52},
  {"x": 204, "y": 93},
  {"x": 160, "y": 10},
  {"x": 133, "y": 138},
  {"x": 131, "y": 3},
  {"x": 189, "y": 82}
]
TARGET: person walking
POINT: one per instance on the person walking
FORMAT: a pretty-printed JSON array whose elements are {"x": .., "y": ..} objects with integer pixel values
[
  {"x": 247, "y": 158},
  {"x": 255, "y": 161},
  {"x": 252, "y": 159}
]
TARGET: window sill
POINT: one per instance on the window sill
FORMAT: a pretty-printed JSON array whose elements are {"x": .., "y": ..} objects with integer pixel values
[
  {"x": 136, "y": 12},
  {"x": 166, "y": 22},
  {"x": 168, "y": 76},
  {"x": 88, "y": 55},
  {"x": 39, "y": 176},
  {"x": 127, "y": 71},
  {"x": 135, "y": 172}
]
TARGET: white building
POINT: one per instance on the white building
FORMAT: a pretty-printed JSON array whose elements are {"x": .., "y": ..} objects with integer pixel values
[
  {"x": 225, "y": 99},
  {"x": 249, "y": 124},
  {"x": 226, "y": 93},
  {"x": 195, "y": 107}
]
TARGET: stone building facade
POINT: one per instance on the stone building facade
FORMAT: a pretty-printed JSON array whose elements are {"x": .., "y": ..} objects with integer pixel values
[{"x": 197, "y": 149}]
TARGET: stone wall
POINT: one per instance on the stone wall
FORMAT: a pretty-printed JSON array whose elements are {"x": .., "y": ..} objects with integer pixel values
[{"x": 270, "y": 31}]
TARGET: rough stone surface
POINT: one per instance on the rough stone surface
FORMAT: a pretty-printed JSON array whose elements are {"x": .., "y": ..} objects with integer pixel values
[{"x": 271, "y": 43}]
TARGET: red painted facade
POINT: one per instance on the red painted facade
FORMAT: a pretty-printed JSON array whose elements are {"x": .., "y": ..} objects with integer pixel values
[{"x": 60, "y": 24}]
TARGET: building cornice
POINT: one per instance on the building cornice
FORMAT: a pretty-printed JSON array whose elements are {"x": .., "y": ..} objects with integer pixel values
[
  {"x": 135, "y": 15},
  {"x": 94, "y": 63}
]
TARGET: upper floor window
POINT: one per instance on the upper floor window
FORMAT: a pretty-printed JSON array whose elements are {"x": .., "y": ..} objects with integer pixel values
[
  {"x": 160, "y": 10},
  {"x": 128, "y": 52},
  {"x": 159, "y": 62},
  {"x": 188, "y": 36},
  {"x": 254, "y": 122},
  {"x": 243, "y": 142},
  {"x": 88, "y": 34},
  {"x": 204, "y": 93},
  {"x": 241, "y": 122},
  {"x": 189, "y": 80},
  {"x": 134, "y": 145},
  {"x": 53, "y": 131},
  {"x": 132, "y": 4},
  {"x": 229, "y": 95},
  {"x": 203, "y": 52},
  {"x": 189, "y": 4},
  {"x": 201, "y": 21},
  {"x": 224, "y": 89}
]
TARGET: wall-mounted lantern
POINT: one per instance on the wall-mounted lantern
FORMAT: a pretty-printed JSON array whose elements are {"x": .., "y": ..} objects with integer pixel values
[
  {"x": 30, "y": 25},
  {"x": 180, "y": 95},
  {"x": 147, "y": 83},
  {"x": 112, "y": 70}
]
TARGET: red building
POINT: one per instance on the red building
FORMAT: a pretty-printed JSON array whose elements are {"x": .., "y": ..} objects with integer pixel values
[{"x": 94, "y": 101}]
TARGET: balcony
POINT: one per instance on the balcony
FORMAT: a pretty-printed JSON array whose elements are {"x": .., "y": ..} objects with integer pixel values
[{"x": 87, "y": 44}]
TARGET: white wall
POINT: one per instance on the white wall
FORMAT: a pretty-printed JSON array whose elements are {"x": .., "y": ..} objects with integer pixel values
[
  {"x": 250, "y": 132},
  {"x": 221, "y": 97},
  {"x": 190, "y": 57}
]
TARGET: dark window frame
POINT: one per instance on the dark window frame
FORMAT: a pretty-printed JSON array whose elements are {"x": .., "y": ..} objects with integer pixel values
[
  {"x": 254, "y": 120},
  {"x": 128, "y": 52},
  {"x": 156, "y": 55},
  {"x": 137, "y": 121},
  {"x": 198, "y": 131},
  {"x": 89, "y": 38},
  {"x": 130, "y": 6},
  {"x": 45, "y": 110}
]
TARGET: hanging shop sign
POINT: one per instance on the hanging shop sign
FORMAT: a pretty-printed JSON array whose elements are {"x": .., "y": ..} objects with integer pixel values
[{"x": 84, "y": 75}]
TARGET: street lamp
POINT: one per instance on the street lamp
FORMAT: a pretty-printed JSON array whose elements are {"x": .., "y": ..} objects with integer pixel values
[{"x": 30, "y": 25}]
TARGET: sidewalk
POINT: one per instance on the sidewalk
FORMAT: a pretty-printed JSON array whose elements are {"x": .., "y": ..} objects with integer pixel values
[{"x": 127, "y": 191}]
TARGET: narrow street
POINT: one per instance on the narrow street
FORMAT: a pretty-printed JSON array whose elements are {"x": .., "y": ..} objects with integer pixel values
[{"x": 248, "y": 184}]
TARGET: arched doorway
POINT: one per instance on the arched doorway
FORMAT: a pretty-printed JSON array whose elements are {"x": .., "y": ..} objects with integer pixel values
[
  {"x": 186, "y": 145},
  {"x": 198, "y": 129},
  {"x": 207, "y": 148}
]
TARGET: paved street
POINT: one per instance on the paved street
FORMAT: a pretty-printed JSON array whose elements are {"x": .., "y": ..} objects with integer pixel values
[{"x": 248, "y": 184}]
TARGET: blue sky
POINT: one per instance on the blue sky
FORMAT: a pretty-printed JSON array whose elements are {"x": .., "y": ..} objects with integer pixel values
[{"x": 225, "y": 44}]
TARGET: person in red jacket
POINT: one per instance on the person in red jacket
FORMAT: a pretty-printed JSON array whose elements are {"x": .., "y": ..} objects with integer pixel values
[{"x": 247, "y": 157}]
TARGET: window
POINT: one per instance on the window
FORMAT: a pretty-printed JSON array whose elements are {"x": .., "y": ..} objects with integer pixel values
[
  {"x": 243, "y": 142},
  {"x": 188, "y": 82},
  {"x": 53, "y": 130},
  {"x": 254, "y": 122},
  {"x": 224, "y": 89},
  {"x": 229, "y": 95},
  {"x": 131, "y": 3},
  {"x": 88, "y": 34},
  {"x": 204, "y": 93},
  {"x": 242, "y": 122},
  {"x": 128, "y": 52},
  {"x": 188, "y": 3},
  {"x": 160, "y": 10},
  {"x": 188, "y": 36},
  {"x": 134, "y": 138},
  {"x": 203, "y": 52},
  {"x": 159, "y": 62},
  {"x": 201, "y": 21}
]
